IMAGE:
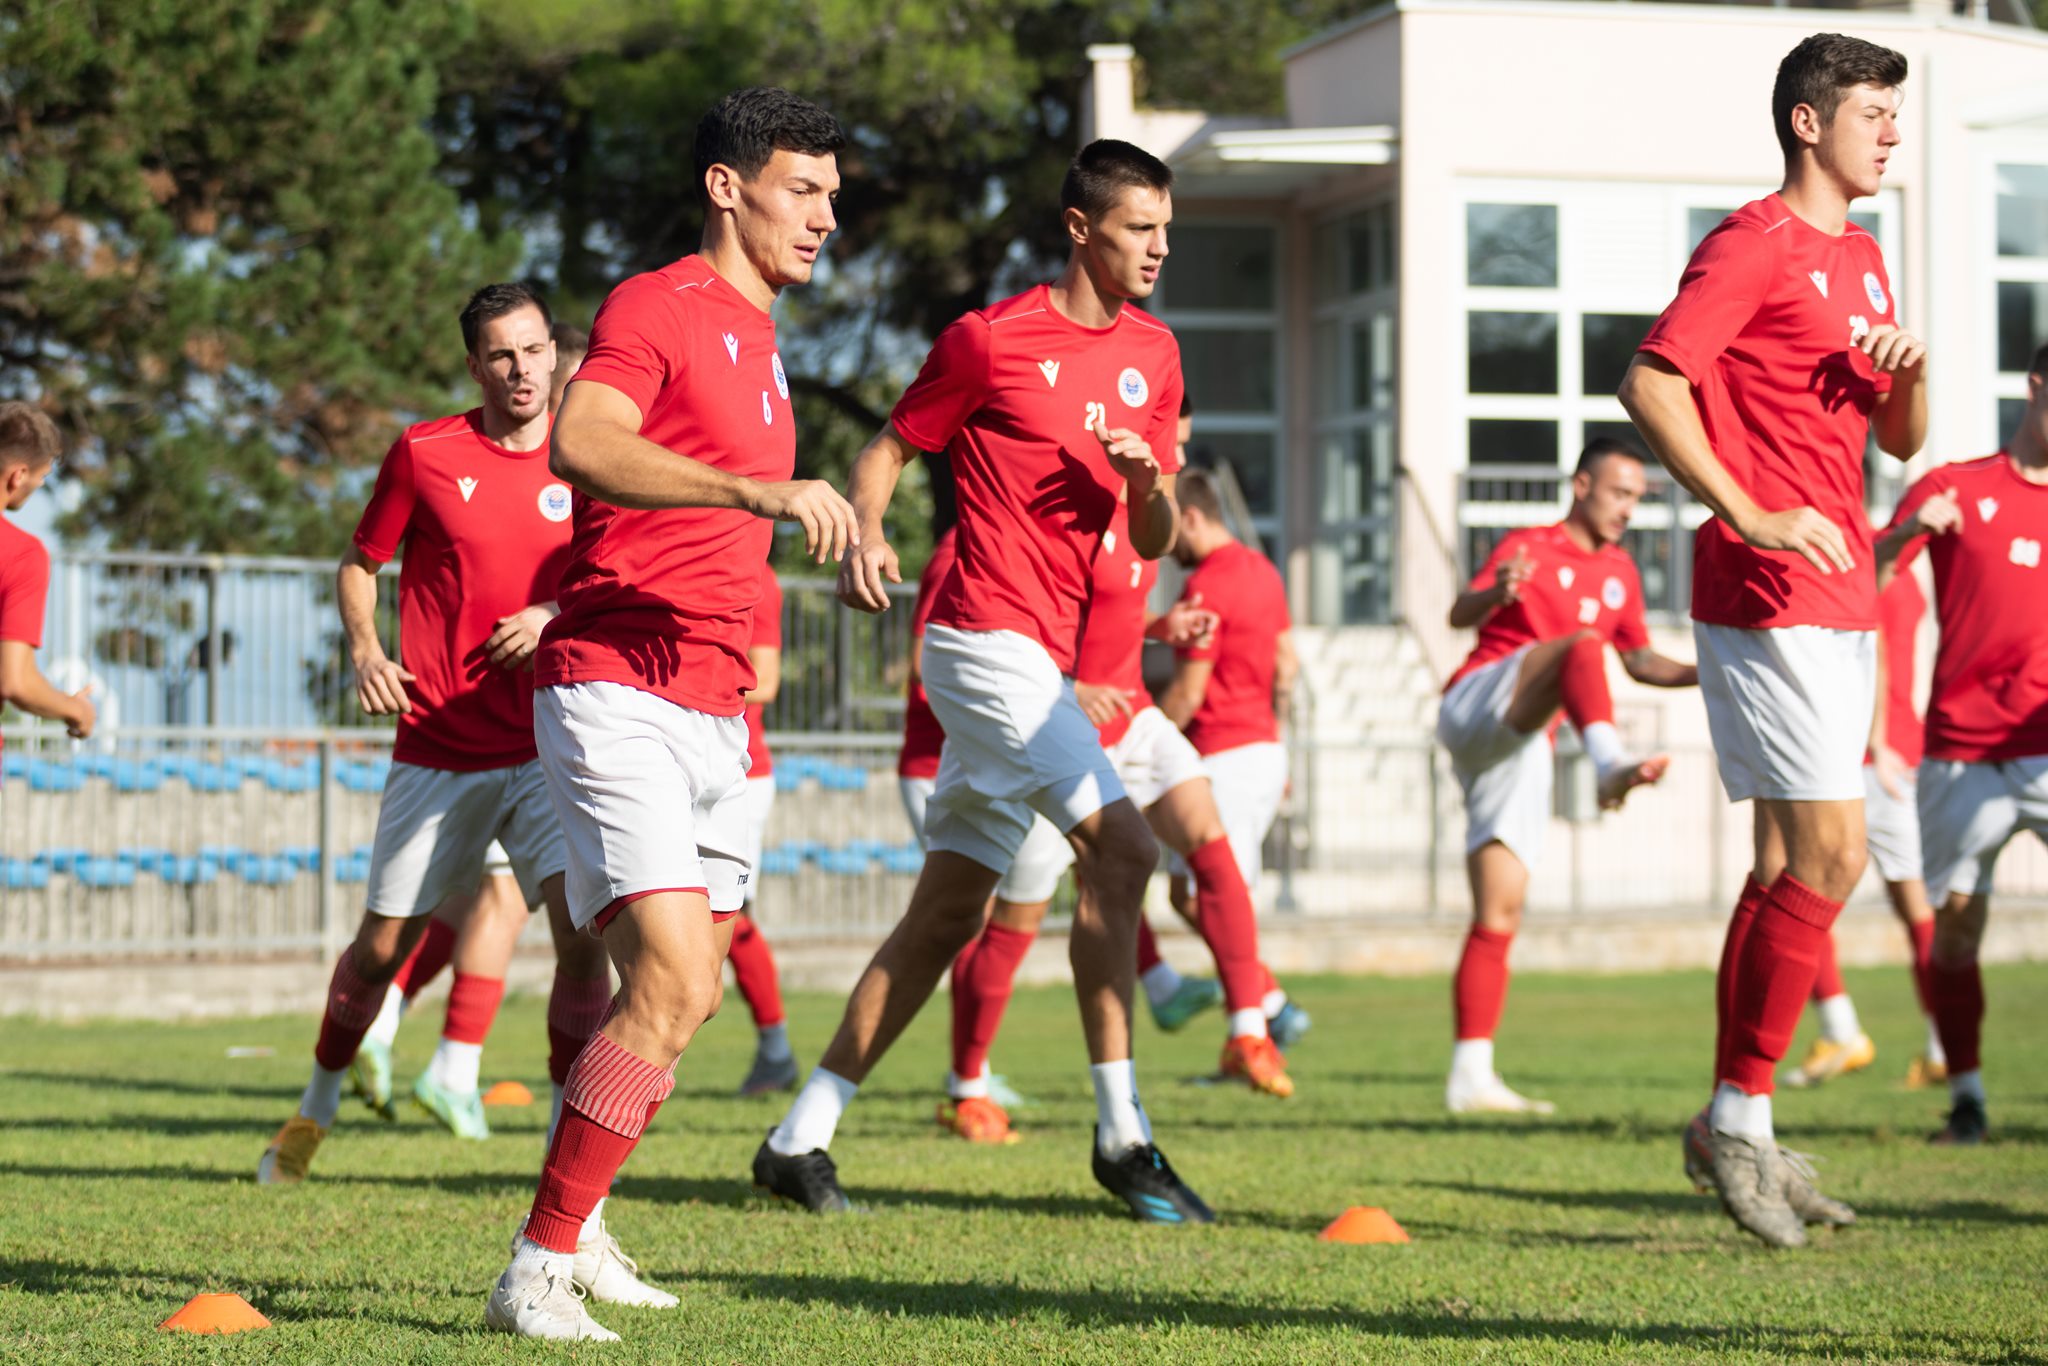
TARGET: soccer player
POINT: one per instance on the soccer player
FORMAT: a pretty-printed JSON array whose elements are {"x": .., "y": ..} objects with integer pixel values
[
  {"x": 29, "y": 446},
  {"x": 1028, "y": 398},
  {"x": 1547, "y": 603},
  {"x": 1985, "y": 775},
  {"x": 753, "y": 963},
  {"x": 1758, "y": 388},
  {"x": 679, "y": 436},
  {"x": 572, "y": 344}
]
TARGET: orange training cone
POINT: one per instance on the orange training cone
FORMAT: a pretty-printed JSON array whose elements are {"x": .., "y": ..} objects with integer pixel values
[
  {"x": 508, "y": 1093},
  {"x": 226, "y": 1313},
  {"x": 1364, "y": 1224}
]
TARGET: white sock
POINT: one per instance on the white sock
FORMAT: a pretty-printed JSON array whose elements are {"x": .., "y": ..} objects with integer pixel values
[
  {"x": 1738, "y": 1113},
  {"x": 1472, "y": 1062},
  {"x": 814, "y": 1116},
  {"x": 384, "y": 1029},
  {"x": 1967, "y": 1086},
  {"x": 1838, "y": 1019},
  {"x": 1936, "y": 1054},
  {"x": 529, "y": 1256},
  {"x": 1160, "y": 982},
  {"x": 1120, "y": 1121},
  {"x": 554, "y": 1113},
  {"x": 968, "y": 1088},
  {"x": 593, "y": 1227},
  {"x": 1248, "y": 1024},
  {"x": 1603, "y": 747},
  {"x": 456, "y": 1066},
  {"x": 322, "y": 1099},
  {"x": 772, "y": 1041},
  {"x": 1273, "y": 1002}
]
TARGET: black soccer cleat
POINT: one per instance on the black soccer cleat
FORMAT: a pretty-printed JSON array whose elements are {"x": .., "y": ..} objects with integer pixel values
[
  {"x": 808, "y": 1179},
  {"x": 1141, "y": 1177},
  {"x": 1967, "y": 1125}
]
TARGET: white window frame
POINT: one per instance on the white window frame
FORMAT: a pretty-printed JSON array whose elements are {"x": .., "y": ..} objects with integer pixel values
[
  {"x": 1341, "y": 314},
  {"x": 1993, "y": 269}
]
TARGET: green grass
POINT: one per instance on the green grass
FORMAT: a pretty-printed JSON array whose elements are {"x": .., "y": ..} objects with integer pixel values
[{"x": 126, "y": 1155}]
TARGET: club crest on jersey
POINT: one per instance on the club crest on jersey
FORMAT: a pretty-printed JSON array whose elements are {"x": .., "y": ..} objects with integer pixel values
[
  {"x": 467, "y": 485},
  {"x": 554, "y": 502},
  {"x": 781, "y": 379},
  {"x": 1874, "y": 291},
  {"x": 2026, "y": 552},
  {"x": 1613, "y": 594},
  {"x": 1820, "y": 281},
  {"x": 1131, "y": 387},
  {"x": 1565, "y": 576},
  {"x": 1051, "y": 370},
  {"x": 1987, "y": 508},
  {"x": 732, "y": 347}
]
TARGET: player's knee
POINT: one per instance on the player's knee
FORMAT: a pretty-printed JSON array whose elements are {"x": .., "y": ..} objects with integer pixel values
[
  {"x": 1121, "y": 861},
  {"x": 382, "y": 945}
]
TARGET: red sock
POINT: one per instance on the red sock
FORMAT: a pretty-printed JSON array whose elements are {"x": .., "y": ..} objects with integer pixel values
[
  {"x": 429, "y": 956},
  {"x": 753, "y": 968},
  {"x": 610, "y": 1098},
  {"x": 352, "y": 1004},
  {"x": 1773, "y": 978},
  {"x": 1268, "y": 982},
  {"x": 1480, "y": 988},
  {"x": 1148, "y": 947},
  {"x": 1224, "y": 914},
  {"x": 1582, "y": 684},
  {"x": 1922, "y": 935},
  {"x": 983, "y": 976},
  {"x": 472, "y": 1006},
  {"x": 576, "y": 1008},
  {"x": 1958, "y": 991},
  {"x": 1724, "y": 981},
  {"x": 1827, "y": 981}
]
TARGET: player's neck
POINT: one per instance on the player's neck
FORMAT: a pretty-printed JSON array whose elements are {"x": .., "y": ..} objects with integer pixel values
[
  {"x": 2029, "y": 457},
  {"x": 1816, "y": 199},
  {"x": 508, "y": 432},
  {"x": 1581, "y": 535},
  {"x": 1077, "y": 297},
  {"x": 722, "y": 251}
]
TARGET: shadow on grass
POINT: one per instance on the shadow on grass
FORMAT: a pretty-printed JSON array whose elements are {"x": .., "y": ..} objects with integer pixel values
[
  {"x": 119, "y": 1082},
  {"x": 170, "y": 1286},
  {"x": 1637, "y": 1202}
]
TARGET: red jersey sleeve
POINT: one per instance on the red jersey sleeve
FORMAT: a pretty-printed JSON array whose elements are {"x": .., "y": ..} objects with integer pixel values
[
  {"x": 1632, "y": 631},
  {"x": 1722, "y": 288},
  {"x": 384, "y": 521},
  {"x": 637, "y": 342},
  {"x": 24, "y": 586},
  {"x": 1927, "y": 486},
  {"x": 953, "y": 383},
  {"x": 768, "y": 613}
]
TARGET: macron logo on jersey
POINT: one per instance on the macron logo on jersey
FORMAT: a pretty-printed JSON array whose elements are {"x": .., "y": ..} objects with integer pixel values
[
  {"x": 467, "y": 485},
  {"x": 1565, "y": 576},
  {"x": 732, "y": 347},
  {"x": 1820, "y": 282},
  {"x": 1051, "y": 370},
  {"x": 1987, "y": 508}
]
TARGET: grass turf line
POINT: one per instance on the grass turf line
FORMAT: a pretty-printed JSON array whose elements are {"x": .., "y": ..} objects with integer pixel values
[{"x": 127, "y": 1155}]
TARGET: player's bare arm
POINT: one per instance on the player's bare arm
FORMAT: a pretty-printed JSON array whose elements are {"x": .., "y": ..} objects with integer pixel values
[
  {"x": 1651, "y": 669},
  {"x": 1899, "y": 421},
  {"x": 1103, "y": 704},
  {"x": 1155, "y": 518},
  {"x": 597, "y": 448},
  {"x": 380, "y": 680},
  {"x": 1286, "y": 668},
  {"x": 511, "y": 646},
  {"x": 1659, "y": 400},
  {"x": 1185, "y": 625},
  {"x": 1938, "y": 515},
  {"x": 1183, "y": 696},
  {"x": 22, "y": 685},
  {"x": 1476, "y": 605},
  {"x": 767, "y": 662},
  {"x": 865, "y": 574}
]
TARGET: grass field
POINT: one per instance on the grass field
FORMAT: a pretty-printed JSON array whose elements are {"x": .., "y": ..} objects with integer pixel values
[{"x": 126, "y": 1155}]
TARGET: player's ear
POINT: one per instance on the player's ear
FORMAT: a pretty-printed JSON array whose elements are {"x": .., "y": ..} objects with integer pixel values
[
  {"x": 722, "y": 186},
  {"x": 1079, "y": 229},
  {"x": 1806, "y": 124}
]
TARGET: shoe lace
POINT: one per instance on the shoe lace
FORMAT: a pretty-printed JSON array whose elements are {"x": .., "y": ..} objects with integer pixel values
[
  {"x": 555, "y": 1283},
  {"x": 1801, "y": 1164}
]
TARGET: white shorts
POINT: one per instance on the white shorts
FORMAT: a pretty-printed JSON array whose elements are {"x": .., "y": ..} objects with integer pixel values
[
  {"x": 1969, "y": 811},
  {"x": 1016, "y": 742},
  {"x": 434, "y": 826},
  {"x": 1789, "y": 709},
  {"x": 1033, "y": 875},
  {"x": 1506, "y": 774},
  {"x": 754, "y": 808},
  {"x": 497, "y": 863},
  {"x": 1152, "y": 758},
  {"x": 651, "y": 796},
  {"x": 1891, "y": 827}
]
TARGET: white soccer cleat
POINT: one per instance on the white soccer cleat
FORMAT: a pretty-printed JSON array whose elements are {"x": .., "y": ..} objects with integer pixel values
[
  {"x": 1491, "y": 1097},
  {"x": 609, "y": 1276},
  {"x": 534, "y": 1302}
]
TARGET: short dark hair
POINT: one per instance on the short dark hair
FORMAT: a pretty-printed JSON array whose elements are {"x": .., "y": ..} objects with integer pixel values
[
  {"x": 495, "y": 301},
  {"x": 1103, "y": 170},
  {"x": 2039, "y": 364},
  {"x": 569, "y": 337},
  {"x": 1821, "y": 71},
  {"x": 1196, "y": 488},
  {"x": 748, "y": 127},
  {"x": 1600, "y": 447},
  {"x": 27, "y": 436}
]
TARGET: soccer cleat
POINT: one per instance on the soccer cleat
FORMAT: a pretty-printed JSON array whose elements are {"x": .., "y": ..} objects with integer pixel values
[
  {"x": 1967, "y": 1125},
  {"x": 1253, "y": 1060},
  {"x": 1141, "y": 1177},
  {"x": 977, "y": 1119},
  {"x": 808, "y": 1179},
  {"x": 607, "y": 1275},
  {"x": 1193, "y": 996},
  {"x": 1924, "y": 1072},
  {"x": 1804, "y": 1196},
  {"x": 1002, "y": 1093},
  {"x": 1491, "y": 1097},
  {"x": 290, "y": 1154},
  {"x": 537, "y": 1303},
  {"x": 1699, "y": 1152},
  {"x": 459, "y": 1112},
  {"x": 1625, "y": 778},
  {"x": 1751, "y": 1180},
  {"x": 768, "y": 1074},
  {"x": 1826, "y": 1060},
  {"x": 1289, "y": 1025},
  {"x": 369, "y": 1076}
]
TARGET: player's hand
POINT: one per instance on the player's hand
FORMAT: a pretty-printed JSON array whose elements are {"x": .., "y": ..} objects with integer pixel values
[
  {"x": 1130, "y": 455},
  {"x": 1939, "y": 514},
  {"x": 865, "y": 574},
  {"x": 1806, "y": 533},
  {"x": 1510, "y": 577},
  {"x": 1893, "y": 350},
  {"x": 511, "y": 646},
  {"x": 380, "y": 687},
  {"x": 1188, "y": 625},
  {"x": 83, "y": 714},
  {"x": 1103, "y": 705},
  {"x": 1890, "y": 769},
  {"x": 827, "y": 519}
]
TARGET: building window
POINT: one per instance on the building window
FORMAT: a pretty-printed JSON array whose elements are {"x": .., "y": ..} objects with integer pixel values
[
  {"x": 1351, "y": 563},
  {"x": 2020, "y": 286},
  {"x": 1513, "y": 245}
]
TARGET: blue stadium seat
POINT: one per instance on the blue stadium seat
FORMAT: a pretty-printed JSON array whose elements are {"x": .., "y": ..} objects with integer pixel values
[
  {"x": 21, "y": 873},
  {"x": 215, "y": 778},
  {"x": 144, "y": 857},
  {"x": 58, "y": 777},
  {"x": 843, "y": 864},
  {"x": 63, "y": 860},
  {"x": 267, "y": 872},
  {"x": 187, "y": 872},
  {"x": 903, "y": 860},
  {"x": 14, "y": 766},
  {"x": 305, "y": 857},
  {"x": 352, "y": 867},
  {"x": 781, "y": 861},
  {"x": 279, "y": 776},
  {"x": 105, "y": 872},
  {"x": 130, "y": 776}
]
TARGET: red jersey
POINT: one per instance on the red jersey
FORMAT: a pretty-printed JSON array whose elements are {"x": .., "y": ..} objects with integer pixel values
[
  {"x": 1568, "y": 590},
  {"x": 923, "y": 736},
  {"x": 486, "y": 534},
  {"x": 1990, "y": 699},
  {"x": 1008, "y": 392},
  {"x": 662, "y": 599},
  {"x": 1246, "y": 593},
  {"x": 1765, "y": 327},
  {"x": 1112, "y": 652},
  {"x": 1899, "y": 610},
  {"x": 767, "y": 636},
  {"x": 24, "y": 585}
]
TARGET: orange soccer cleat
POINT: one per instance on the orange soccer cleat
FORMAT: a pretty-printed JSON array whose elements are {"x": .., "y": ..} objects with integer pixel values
[
  {"x": 1254, "y": 1060},
  {"x": 978, "y": 1120}
]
